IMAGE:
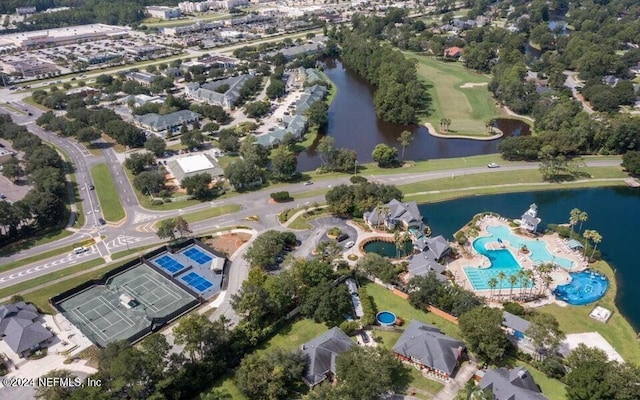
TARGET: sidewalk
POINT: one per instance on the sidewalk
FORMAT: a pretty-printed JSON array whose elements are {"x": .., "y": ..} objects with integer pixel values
[{"x": 451, "y": 388}]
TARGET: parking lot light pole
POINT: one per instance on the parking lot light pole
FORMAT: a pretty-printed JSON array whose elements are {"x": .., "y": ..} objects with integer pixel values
[{"x": 355, "y": 167}]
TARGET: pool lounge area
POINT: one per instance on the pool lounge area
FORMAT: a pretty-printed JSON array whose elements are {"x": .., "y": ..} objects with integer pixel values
[{"x": 498, "y": 250}]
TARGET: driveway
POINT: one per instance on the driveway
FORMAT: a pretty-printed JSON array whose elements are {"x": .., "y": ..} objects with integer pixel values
[{"x": 451, "y": 388}]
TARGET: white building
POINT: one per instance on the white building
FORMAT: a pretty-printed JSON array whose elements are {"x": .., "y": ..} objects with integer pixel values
[
  {"x": 193, "y": 7},
  {"x": 163, "y": 12},
  {"x": 529, "y": 219},
  {"x": 229, "y": 4},
  {"x": 62, "y": 36}
]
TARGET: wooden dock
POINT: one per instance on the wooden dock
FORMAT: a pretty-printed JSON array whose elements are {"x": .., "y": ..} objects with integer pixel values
[{"x": 631, "y": 182}]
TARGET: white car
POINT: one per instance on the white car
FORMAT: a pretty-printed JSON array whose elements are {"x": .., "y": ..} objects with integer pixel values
[
  {"x": 349, "y": 244},
  {"x": 307, "y": 183},
  {"x": 492, "y": 165}
]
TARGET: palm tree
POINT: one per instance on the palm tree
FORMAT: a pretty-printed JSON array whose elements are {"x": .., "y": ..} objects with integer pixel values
[
  {"x": 489, "y": 125},
  {"x": 405, "y": 139},
  {"x": 378, "y": 210},
  {"x": 513, "y": 279},
  {"x": 547, "y": 280},
  {"x": 574, "y": 218},
  {"x": 587, "y": 235},
  {"x": 596, "y": 238},
  {"x": 529, "y": 274},
  {"x": 397, "y": 239},
  {"x": 447, "y": 124},
  {"x": 583, "y": 217},
  {"x": 493, "y": 282},
  {"x": 501, "y": 276}
]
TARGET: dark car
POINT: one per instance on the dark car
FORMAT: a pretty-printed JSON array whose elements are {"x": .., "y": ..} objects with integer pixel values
[
  {"x": 342, "y": 237},
  {"x": 101, "y": 221},
  {"x": 91, "y": 187}
]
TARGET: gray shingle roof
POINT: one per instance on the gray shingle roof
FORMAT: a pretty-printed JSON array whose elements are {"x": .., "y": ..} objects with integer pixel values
[
  {"x": 18, "y": 328},
  {"x": 516, "y": 384},
  {"x": 207, "y": 92},
  {"x": 438, "y": 246},
  {"x": 423, "y": 263},
  {"x": 514, "y": 322},
  {"x": 427, "y": 345},
  {"x": 322, "y": 352},
  {"x": 162, "y": 122}
]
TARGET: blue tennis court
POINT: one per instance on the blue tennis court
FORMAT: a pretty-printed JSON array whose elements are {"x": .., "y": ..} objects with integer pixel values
[
  {"x": 197, "y": 282},
  {"x": 169, "y": 264},
  {"x": 197, "y": 256}
]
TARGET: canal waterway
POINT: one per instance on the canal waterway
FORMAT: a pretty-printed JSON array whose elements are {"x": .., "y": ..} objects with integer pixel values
[
  {"x": 354, "y": 125},
  {"x": 613, "y": 212}
]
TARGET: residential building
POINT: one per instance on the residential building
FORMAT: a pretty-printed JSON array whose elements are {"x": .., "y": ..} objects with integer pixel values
[
  {"x": 193, "y": 7},
  {"x": 396, "y": 213},
  {"x": 453, "y": 52},
  {"x": 185, "y": 167},
  {"x": 143, "y": 78},
  {"x": 321, "y": 353},
  {"x": 21, "y": 329},
  {"x": 142, "y": 99},
  {"x": 207, "y": 92},
  {"x": 229, "y": 4},
  {"x": 529, "y": 220},
  {"x": 25, "y": 10},
  {"x": 295, "y": 125},
  {"x": 515, "y": 384},
  {"x": 428, "y": 349},
  {"x": 168, "y": 123},
  {"x": 304, "y": 49},
  {"x": 310, "y": 75},
  {"x": 514, "y": 325},
  {"x": 163, "y": 12},
  {"x": 435, "y": 247},
  {"x": 83, "y": 91},
  {"x": 310, "y": 96}
]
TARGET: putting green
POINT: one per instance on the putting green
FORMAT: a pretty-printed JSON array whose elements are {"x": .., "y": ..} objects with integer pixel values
[{"x": 458, "y": 94}]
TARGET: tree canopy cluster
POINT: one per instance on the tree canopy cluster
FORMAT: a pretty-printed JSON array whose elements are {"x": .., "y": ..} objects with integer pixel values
[
  {"x": 354, "y": 200},
  {"x": 399, "y": 95},
  {"x": 44, "y": 206},
  {"x": 428, "y": 290},
  {"x": 263, "y": 251},
  {"x": 333, "y": 159}
]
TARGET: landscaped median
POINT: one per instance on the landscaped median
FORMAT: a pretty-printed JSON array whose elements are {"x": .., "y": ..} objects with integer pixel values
[
  {"x": 209, "y": 213},
  {"x": 107, "y": 193}
]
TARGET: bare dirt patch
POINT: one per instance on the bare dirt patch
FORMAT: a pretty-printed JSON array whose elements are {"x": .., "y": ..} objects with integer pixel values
[{"x": 228, "y": 243}]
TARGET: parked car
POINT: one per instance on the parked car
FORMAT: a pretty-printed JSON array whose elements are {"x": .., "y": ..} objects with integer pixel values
[
  {"x": 349, "y": 244},
  {"x": 342, "y": 237},
  {"x": 307, "y": 183},
  {"x": 101, "y": 221},
  {"x": 91, "y": 187},
  {"x": 492, "y": 165},
  {"x": 365, "y": 337},
  {"x": 2, "y": 196}
]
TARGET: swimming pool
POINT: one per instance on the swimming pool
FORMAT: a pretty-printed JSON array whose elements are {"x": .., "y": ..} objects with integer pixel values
[
  {"x": 538, "y": 251},
  {"x": 386, "y": 318},
  {"x": 501, "y": 261},
  {"x": 585, "y": 287}
]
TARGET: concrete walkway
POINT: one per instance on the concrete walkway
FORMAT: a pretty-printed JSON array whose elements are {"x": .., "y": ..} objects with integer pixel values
[{"x": 451, "y": 388}]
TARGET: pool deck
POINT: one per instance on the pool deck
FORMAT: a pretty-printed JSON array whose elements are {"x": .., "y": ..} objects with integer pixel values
[{"x": 555, "y": 245}]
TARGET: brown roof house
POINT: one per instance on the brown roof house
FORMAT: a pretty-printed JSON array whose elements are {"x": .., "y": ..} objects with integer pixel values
[
  {"x": 426, "y": 347},
  {"x": 453, "y": 52},
  {"x": 321, "y": 353},
  {"x": 21, "y": 330}
]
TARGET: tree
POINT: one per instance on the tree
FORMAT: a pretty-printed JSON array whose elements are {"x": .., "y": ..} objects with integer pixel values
[
  {"x": 55, "y": 392},
  {"x": 482, "y": 331},
  {"x": 156, "y": 145},
  {"x": 276, "y": 88},
  {"x": 378, "y": 372},
  {"x": 595, "y": 237},
  {"x": 254, "y": 152},
  {"x": 631, "y": 162},
  {"x": 385, "y": 156},
  {"x": 242, "y": 174},
  {"x": 574, "y": 218},
  {"x": 284, "y": 164},
  {"x": 192, "y": 139},
  {"x": 493, "y": 283},
  {"x": 192, "y": 332},
  {"x": 12, "y": 170},
  {"x": 405, "y": 140},
  {"x": 138, "y": 162},
  {"x": 501, "y": 276},
  {"x": 379, "y": 267},
  {"x": 318, "y": 114},
  {"x": 326, "y": 303},
  {"x": 87, "y": 135},
  {"x": 149, "y": 182},
  {"x": 198, "y": 185},
  {"x": 263, "y": 251},
  {"x": 166, "y": 229},
  {"x": 217, "y": 394},
  {"x": 326, "y": 149},
  {"x": 272, "y": 376},
  {"x": 544, "y": 331},
  {"x": 182, "y": 226},
  {"x": 257, "y": 109},
  {"x": 588, "y": 374}
]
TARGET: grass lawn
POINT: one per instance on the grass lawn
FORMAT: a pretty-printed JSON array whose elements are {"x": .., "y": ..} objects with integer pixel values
[
  {"x": 39, "y": 257},
  {"x": 385, "y": 300},
  {"x": 20, "y": 287},
  {"x": 107, "y": 193},
  {"x": 226, "y": 383},
  {"x": 488, "y": 183},
  {"x": 29, "y": 100},
  {"x": 474, "y": 105},
  {"x": 145, "y": 201},
  {"x": 125, "y": 253},
  {"x": 617, "y": 331},
  {"x": 210, "y": 212},
  {"x": 12, "y": 108},
  {"x": 552, "y": 388},
  {"x": 36, "y": 240}
]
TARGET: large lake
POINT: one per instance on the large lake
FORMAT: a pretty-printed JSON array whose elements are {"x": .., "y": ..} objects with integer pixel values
[
  {"x": 614, "y": 212},
  {"x": 354, "y": 125}
]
